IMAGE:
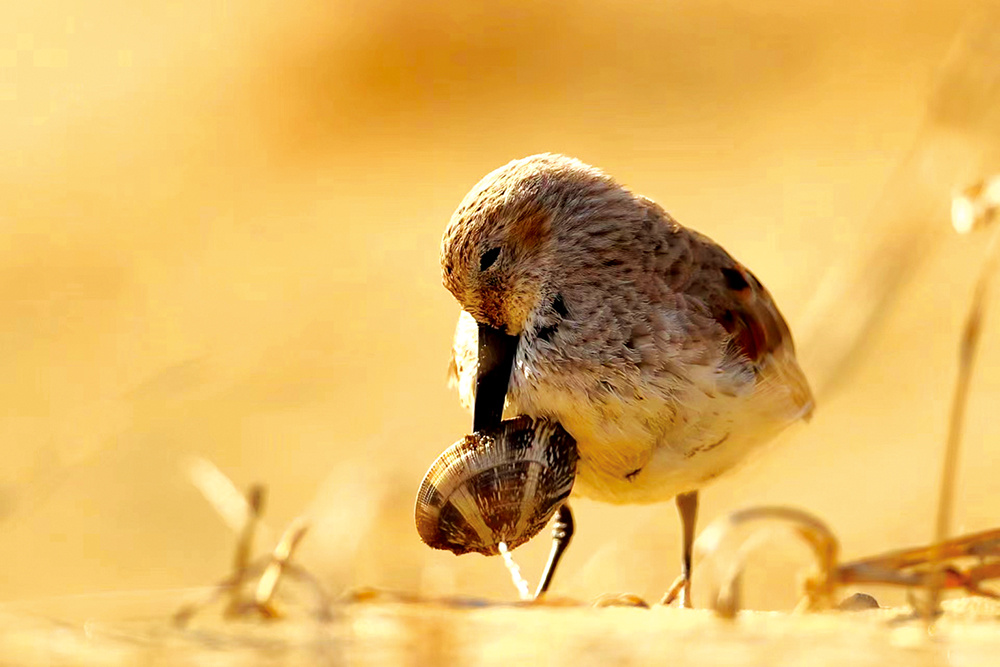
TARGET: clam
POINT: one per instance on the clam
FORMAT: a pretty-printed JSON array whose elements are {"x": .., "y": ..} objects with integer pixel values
[{"x": 498, "y": 485}]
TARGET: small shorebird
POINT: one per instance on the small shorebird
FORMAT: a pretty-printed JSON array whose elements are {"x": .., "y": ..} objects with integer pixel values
[{"x": 587, "y": 304}]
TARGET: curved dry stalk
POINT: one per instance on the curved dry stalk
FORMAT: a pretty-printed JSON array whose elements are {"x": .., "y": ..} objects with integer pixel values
[
  {"x": 271, "y": 570},
  {"x": 722, "y": 535},
  {"x": 726, "y": 541}
]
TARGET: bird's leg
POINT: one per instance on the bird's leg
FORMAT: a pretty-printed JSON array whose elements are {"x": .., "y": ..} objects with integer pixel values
[
  {"x": 562, "y": 533},
  {"x": 687, "y": 508}
]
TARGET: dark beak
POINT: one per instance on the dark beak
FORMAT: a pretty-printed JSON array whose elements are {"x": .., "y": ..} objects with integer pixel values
[{"x": 496, "y": 359}]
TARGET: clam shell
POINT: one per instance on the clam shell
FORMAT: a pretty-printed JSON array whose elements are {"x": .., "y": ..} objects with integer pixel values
[{"x": 497, "y": 485}]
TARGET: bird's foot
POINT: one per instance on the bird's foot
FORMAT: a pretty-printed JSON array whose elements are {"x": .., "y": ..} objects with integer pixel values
[{"x": 680, "y": 590}]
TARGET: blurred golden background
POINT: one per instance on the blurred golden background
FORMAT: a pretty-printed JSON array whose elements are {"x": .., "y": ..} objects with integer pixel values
[{"x": 220, "y": 226}]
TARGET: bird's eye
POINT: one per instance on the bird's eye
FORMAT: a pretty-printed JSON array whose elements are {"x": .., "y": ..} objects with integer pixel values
[{"x": 488, "y": 258}]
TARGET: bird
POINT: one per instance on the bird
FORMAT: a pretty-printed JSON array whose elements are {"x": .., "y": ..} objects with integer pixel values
[{"x": 587, "y": 304}]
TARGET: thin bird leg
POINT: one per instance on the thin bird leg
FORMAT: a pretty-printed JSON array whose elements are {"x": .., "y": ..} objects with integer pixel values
[
  {"x": 562, "y": 533},
  {"x": 680, "y": 590}
]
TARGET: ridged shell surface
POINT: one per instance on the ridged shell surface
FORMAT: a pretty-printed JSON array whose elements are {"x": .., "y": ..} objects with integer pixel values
[{"x": 497, "y": 485}]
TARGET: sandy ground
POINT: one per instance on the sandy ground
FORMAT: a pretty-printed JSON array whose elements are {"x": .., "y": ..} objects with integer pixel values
[{"x": 479, "y": 633}]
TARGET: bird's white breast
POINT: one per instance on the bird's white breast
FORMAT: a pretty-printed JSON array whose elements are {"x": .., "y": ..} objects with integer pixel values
[
  {"x": 642, "y": 444},
  {"x": 641, "y": 438}
]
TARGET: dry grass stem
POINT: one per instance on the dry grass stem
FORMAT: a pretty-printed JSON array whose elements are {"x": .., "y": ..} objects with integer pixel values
[
  {"x": 968, "y": 347},
  {"x": 280, "y": 559},
  {"x": 244, "y": 547},
  {"x": 271, "y": 570},
  {"x": 958, "y": 139}
]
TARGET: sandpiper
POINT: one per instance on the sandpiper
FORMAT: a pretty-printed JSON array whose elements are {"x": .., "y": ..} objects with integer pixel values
[{"x": 587, "y": 304}]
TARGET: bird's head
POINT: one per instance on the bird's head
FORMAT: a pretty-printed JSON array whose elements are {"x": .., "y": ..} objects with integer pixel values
[{"x": 507, "y": 247}]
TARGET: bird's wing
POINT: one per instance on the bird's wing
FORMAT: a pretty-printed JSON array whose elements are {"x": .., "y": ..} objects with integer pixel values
[
  {"x": 737, "y": 300},
  {"x": 734, "y": 298}
]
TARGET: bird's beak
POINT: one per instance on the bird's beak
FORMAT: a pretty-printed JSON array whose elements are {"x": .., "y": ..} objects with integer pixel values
[{"x": 496, "y": 359}]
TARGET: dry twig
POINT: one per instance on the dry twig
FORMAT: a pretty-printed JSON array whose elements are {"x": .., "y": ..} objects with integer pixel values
[{"x": 271, "y": 570}]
